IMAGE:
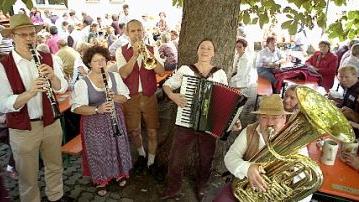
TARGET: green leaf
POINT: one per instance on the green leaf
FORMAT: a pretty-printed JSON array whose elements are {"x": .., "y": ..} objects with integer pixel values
[
  {"x": 353, "y": 14},
  {"x": 246, "y": 17},
  {"x": 286, "y": 24},
  {"x": 322, "y": 20},
  {"x": 293, "y": 28},
  {"x": 6, "y": 5},
  {"x": 254, "y": 20},
  {"x": 28, "y": 4},
  {"x": 177, "y": 3},
  {"x": 339, "y": 2},
  {"x": 298, "y": 3}
]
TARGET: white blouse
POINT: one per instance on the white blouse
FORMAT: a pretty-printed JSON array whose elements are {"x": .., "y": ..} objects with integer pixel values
[
  {"x": 176, "y": 80},
  {"x": 80, "y": 92}
]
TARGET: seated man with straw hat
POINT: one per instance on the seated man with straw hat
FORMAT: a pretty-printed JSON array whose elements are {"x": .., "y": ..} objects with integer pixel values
[
  {"x": 32, "y": 125},
  {"x": 271, "y": 114}
]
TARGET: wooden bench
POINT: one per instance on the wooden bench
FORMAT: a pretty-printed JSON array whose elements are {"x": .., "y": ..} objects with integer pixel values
[
  {"x": 73, "y": 147},
  {"x": 264, "y": 87}
]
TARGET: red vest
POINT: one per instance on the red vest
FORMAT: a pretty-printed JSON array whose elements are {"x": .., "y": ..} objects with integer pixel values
[
  {"x": 21, "y": 120},
  {"x": 148, "y": 77}
]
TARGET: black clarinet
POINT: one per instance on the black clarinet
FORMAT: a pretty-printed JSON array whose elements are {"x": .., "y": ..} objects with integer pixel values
[
  {"x": 49, "y": 91},
  {"x": 114, "y": 121}
]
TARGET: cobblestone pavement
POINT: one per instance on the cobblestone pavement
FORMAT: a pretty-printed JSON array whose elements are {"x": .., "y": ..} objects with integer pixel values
[{"x": 140, "y": 188}]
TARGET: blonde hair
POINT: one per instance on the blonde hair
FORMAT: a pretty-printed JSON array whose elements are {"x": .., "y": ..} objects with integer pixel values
[
  {"x": 349, "y": 69},
  {"x": 82, "y": 47}
]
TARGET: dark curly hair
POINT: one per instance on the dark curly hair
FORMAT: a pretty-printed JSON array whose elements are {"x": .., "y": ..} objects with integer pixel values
[{"x": 95, "y": 50}]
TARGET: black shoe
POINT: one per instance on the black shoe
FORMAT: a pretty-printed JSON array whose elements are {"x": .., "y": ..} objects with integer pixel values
[
  {"x": 156, "y": 173},
  {"x": 65, "y": 199},
  {"x": 140, "y": 165}
]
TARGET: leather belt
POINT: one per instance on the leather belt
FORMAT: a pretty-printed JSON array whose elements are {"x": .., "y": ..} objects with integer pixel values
[{"x": 37, "y": 119}]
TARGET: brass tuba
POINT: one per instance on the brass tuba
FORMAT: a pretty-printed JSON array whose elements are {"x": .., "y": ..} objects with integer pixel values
[
  {"x": 317, "y": 116},
  {"x": 149, "y": 61}
]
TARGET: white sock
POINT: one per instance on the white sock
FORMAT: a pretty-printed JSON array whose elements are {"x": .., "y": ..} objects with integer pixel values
[
  {"x": 151, "y": 159},
  {"x": 141, "y": 151},
  {"x": 9, "y": 168}
]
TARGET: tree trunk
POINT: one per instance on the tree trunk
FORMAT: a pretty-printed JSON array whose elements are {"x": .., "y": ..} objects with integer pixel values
[{"x": 216, "y": 20}]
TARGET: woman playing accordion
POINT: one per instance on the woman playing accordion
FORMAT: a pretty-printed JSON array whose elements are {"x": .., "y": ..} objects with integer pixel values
[{"x": 184, "y": 137}]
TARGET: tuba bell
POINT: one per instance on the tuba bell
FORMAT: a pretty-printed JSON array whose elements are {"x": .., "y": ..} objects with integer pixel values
[{"x": 317, "y": 117}]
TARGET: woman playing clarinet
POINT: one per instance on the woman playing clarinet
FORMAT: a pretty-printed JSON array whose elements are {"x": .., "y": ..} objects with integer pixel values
[{"x": 97, "y": 97}]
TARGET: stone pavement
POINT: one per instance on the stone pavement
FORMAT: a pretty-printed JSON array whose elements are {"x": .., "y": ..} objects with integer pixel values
[{"x": 140, "y": 188}]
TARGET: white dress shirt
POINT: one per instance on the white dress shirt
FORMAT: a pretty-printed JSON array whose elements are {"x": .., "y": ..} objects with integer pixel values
[
  {"x": 266, "y": 56},
  {"x": 80, "y": 95},
  {"x": 234, "y": 157},
  {"x": 121, "y": 41},
  {"x": 175, "y": 81},
  {"x": 243, "y": 67},
  {"x": 121, "y": 61},
  {"x": 28, "y": 73}
]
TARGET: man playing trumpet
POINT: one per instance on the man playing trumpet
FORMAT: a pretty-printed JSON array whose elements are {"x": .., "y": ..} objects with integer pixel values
[{"x": 141, "y": 81}]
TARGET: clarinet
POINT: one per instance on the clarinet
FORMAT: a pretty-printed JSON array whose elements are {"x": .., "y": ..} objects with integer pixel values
[
  {"x": 49, "y": 91},
  {"x": 114, "y": 122}
]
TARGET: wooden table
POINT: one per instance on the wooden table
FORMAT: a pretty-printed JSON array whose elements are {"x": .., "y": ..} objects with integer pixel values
[
  {"x": 287, "y": 82},
  {"x": 339, "y": 179}
]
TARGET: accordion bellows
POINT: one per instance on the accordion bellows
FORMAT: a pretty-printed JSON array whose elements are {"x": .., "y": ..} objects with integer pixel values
[{"x": 211, "y": 107}]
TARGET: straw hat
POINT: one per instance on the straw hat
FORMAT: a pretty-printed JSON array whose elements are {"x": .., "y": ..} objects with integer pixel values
[
  {"x": 19, "y": 21},
  {"x": 271, "y": 105}
]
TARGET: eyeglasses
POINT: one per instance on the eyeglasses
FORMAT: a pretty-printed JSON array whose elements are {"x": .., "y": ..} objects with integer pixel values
[{"x": 25, "y": 35}]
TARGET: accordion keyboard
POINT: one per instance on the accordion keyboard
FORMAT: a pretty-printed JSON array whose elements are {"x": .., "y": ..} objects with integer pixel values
[{"x": 188, "y": 89}]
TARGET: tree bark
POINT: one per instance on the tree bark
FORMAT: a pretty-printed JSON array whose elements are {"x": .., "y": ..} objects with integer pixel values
[{"x": 216, "y": 20}]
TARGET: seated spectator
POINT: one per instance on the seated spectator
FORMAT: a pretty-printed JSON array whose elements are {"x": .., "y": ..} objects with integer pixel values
[
  {"x": 268, "y": 59},
  {"x": 353, "y": 59},
  {"x": 325, "y": 63},
  {"x": 243, "y": 74},
  {"x": 347, "y": 53},
  {"x": 349, "y": 81},
  {"x": 168, "y": 52},
  {"x": 290, "y": 100}
]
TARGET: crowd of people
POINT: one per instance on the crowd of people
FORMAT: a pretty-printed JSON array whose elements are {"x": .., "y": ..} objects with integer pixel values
[{"x": 104, "y": 62}]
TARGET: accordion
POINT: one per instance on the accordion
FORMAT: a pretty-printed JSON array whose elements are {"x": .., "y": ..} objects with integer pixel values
[{"x": 211, "y": 107}]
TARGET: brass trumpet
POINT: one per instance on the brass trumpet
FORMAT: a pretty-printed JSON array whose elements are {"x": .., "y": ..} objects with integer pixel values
[{"x": 149, "y": 61}]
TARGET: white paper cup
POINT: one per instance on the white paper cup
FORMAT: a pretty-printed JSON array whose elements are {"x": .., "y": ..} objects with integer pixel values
[{"x": 329, "y": 152}]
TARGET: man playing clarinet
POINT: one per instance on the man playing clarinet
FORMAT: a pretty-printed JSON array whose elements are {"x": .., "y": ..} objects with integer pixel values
[{"x": 29, "y": 115}]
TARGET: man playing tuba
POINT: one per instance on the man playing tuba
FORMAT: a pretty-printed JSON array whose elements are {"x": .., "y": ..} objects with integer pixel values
[{"x": 271, "y": 115}]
